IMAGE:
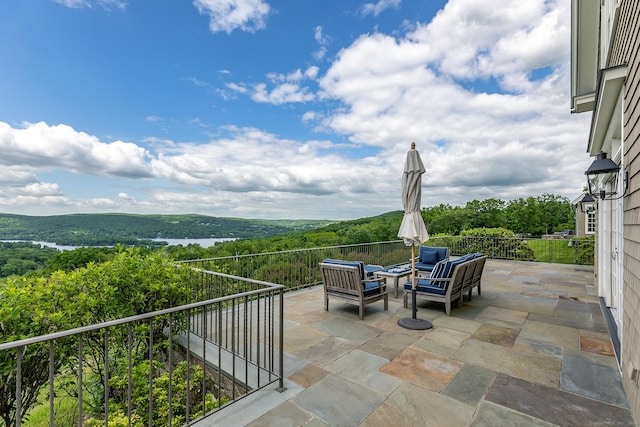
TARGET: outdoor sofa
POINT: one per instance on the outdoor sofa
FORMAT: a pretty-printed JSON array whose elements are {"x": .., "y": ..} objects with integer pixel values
[
  {"x": 349, "y": 282},
  {"x": 449, "y": 281},
  {"x": 428, "y": 257}
]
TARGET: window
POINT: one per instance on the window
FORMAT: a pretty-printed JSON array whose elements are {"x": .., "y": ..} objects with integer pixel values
[{"x": 590, "y": 226}]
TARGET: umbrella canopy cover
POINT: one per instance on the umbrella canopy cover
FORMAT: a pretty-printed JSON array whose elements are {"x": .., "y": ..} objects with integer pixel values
[{"x": 412, "y": 230}]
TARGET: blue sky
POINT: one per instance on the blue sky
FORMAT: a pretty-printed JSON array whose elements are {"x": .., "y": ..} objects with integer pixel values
[{"x": 282, "y": 109}]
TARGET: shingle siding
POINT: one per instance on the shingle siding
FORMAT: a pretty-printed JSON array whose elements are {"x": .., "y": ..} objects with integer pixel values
[{"x": 625, "y": 51}]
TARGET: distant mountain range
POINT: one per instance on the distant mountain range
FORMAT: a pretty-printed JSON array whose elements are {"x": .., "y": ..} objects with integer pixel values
[{"x": 109, "y": 229}]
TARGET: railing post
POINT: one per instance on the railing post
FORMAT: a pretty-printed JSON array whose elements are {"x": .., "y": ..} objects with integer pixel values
[
  {"x": 19, "y": 353},
  {"x": 281, "y": 386}
]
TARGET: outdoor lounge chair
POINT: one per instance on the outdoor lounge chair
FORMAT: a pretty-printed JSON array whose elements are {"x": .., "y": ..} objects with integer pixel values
[
  {"x": 346, "y": 283},
  {"x": 477, "y": 275},
  {"x": 428, "y": 257},
  {"x": 444, "y": 284}
]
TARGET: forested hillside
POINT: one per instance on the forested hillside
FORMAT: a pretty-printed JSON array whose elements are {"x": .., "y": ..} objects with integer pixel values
[
  {"x": 529, "y": 217},
  {"x": 109, "y": 229}
]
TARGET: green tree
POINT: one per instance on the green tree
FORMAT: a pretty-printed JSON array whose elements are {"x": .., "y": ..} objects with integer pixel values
[
  {"x": 523, "y": 216},
  {"x": 487, "y": 213},
  {"x": 80, "y": 257},
  {"x": 133, "y": 282},
  {"x": 31, "y": 307},
  {"x": 446, "y": 219},
  {"x": 555, "y": 212}
]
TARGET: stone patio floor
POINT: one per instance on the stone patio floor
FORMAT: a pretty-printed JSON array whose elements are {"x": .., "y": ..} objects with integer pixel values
[{"x": 532, "y": 350}]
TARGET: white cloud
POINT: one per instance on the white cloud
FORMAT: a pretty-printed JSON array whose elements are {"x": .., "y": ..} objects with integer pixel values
[
  {"x": 106, "y": 4},
  {"x": 281, "y": 94},
  {"x": 323, "y": 41},
  {"x": 379, "y": 7},
  {"x": 285, "y": 87},
  {"x": 240, "y": 88},
  {"x": 102, "y": 203},
  {"x": 40, "y": 189},
  {"x": 38, "y": 145},
  {"x": 247, "y": 166},
  {"x": 228, "y": 15},
  {"x": 394, "y": 90},
  {"x": 470, "y": 39}
]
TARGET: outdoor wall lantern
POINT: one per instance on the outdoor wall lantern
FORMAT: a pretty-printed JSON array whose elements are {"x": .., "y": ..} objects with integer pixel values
[
  {"x": 587, "y": 204},
  {"x": 600, "y": 166}
]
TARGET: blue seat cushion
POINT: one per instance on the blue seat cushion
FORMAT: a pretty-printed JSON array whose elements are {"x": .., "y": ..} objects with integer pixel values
[
  {"x": 370, "y": 269},
  {"x": 424, "y": 267},
  {"x": 371, "y": 288},
  {"x": 425, "y": 285}
]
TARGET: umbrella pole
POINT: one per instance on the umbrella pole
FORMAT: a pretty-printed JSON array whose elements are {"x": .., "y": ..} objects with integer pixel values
[
  {"x": 414, "y": 322},
  {"x": 413, "y": 283}
]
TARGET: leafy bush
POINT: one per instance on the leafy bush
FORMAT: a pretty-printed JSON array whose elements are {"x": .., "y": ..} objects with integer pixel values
[
  {"x": 133, "y": 282},
  {"x": 119, "y": 384},
  {"x": 493, "y": 242},
  {"x": 584, "y": 250}
]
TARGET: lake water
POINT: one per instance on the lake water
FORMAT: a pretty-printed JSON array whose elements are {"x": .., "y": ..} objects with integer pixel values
[{"x": 205, "y": 243}]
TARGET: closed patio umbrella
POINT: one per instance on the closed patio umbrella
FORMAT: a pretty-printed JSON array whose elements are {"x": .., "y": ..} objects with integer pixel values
[{"x": 412, "y": 229}]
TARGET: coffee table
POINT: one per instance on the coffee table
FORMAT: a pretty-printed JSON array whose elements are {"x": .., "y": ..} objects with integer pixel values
[{"x": 395, "y": 274}]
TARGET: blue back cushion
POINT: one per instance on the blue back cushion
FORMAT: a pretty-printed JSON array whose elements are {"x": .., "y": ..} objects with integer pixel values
[
  {"x": 438, "y": 269},
  {"x": 445, "y": 272},
  {"x": 358, "y": 264},
  {"x": 428, "y": 255},
  {"x": 431, "y": 254}
]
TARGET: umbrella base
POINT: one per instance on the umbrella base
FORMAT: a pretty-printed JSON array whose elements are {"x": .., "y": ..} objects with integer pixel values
[{"x": 415, "y": 324}]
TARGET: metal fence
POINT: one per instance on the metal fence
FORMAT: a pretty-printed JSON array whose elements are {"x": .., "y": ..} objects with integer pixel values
[
  {"x": 299, "y": 268},
  {"x": 560, "y": 251},
  {"x": 169, "y": 367}
]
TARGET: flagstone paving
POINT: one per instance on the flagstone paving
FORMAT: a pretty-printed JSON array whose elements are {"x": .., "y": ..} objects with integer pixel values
[{"x": 532, "y": 350}]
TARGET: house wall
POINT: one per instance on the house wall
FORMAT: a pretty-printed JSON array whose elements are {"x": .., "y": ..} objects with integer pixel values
[
  {"x": 625, "y": 50},
  {"x": 581, "y": 223}
]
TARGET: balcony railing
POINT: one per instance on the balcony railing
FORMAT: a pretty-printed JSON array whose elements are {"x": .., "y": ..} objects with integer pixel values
[
  {"x": 560, "y": 251},
  {"x": 169, "y": 367},
  {"x": 210, "y": 353},
  {"x": 299, "y": 268}
]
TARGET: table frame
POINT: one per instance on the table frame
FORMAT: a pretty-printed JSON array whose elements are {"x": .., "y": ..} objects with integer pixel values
[{"x": 394, "y": 276}]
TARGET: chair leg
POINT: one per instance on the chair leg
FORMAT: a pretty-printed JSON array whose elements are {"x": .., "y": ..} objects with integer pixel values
[
  {"x": 361, "y": 311},
  {"x": 326, "y": 303},
  {"x": 405, "y": 301},
  {"x": 479, "y": 288},
  {"x": 386, "y": 302},
  {"x": 447, "y": 307}
]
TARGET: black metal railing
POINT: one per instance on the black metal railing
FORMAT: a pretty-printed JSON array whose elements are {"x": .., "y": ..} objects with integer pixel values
[
  {"x": 169, "y": 367},
  {"x": 299, "y": 268}
]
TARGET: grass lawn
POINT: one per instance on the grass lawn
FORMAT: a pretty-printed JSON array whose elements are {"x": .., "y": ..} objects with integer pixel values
[
  {"x": 65, "y": 407},
  {"x": 556, "y": 251}
]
